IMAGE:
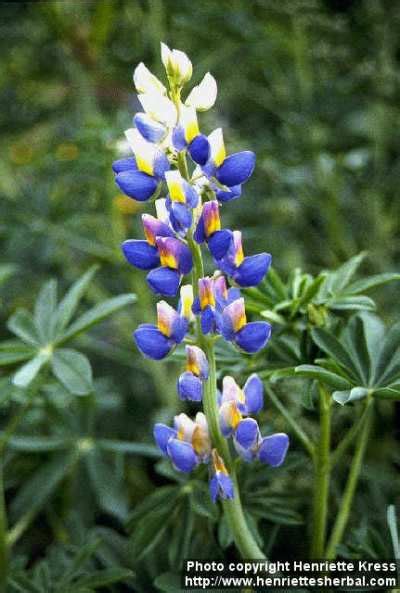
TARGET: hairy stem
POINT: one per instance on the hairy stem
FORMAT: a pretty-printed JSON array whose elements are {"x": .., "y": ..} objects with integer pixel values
[
  {"x": 321, "y": 477},
  {"x": 233, "y": 510},
  {"x": 351, "y": 485}
]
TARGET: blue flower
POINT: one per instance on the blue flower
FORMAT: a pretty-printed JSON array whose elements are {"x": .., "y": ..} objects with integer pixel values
[
  {"x": 221, "y": 485},
  {"x": 187, "y": 135},
  {"x": 209, "y": 229},
  {"x": 230, "y": 171},
  {"x": 187, "y": 444},
  {"x": 245, "y": 271},
  {"x": 190, "y": 383},
  {"x": 140, "y": 178},
  {"x": 157, "y": 341},
  {"x": 250, "y": 337}
]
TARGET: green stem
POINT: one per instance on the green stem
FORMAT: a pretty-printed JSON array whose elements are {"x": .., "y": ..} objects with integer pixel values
[
  {"x": 233, "y": 509},
  {"x": 299, "y": 432},
  {"x": 321, "y": 477},
  {"x": 348, "y": 440},
  {"x": 351, "y": 485},
  {"x": 3, "y": 535},
  {"x": 4, "y": 440}
]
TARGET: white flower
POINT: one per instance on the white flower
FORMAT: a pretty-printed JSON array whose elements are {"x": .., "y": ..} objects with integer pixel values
[
  {"x": 217, "y": 147},
  {"x": 146, "y": 82},
  {"x": 159, "y": 108},
  {"x": 202, "y": 97},
  {"x": 177, "y": 64},
  {"x": 145, "y": 152}
]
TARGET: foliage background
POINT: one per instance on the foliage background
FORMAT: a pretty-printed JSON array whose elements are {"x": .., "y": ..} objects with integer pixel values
[{"x": 311, "y": 86}]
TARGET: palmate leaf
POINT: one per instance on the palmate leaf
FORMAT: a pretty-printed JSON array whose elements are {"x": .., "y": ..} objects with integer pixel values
[
  {"x": 39, "y": 488},
  {"x": 22, "y": 325},
  {"x": 44, "y": 311},
  {"x": 95, "y": 315},
  {"x": 12, "y": 351},
  {"x": 72, "y": 298},
  {"x": 333, "y": 347},
  {"x": 323, "y": 375},
  {"x": 73, "y": 370},
  {"x": 27, "y": 373},
  {"x": 109, "y": 490}
]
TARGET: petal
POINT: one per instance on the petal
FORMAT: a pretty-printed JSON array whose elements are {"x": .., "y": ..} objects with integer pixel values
[
  {"x": 199, "y": 149},
  {"x": 254, "y": 394},
  {"x": 160, "y": 165},
  {"x": 151, "y": 342},
  {"x": 273, "y": 449},
  {"x": 221, "y": 486},
  {"x": 166, "y": 318},
  {"x": 145, "y": 81},
  {"x": 179, "y": 329},
  {"x": 207, "y": 320},
  {"x": 182, "y": 455},
  {"x": 140, "y": 254},
  {"x": 186, "y": 301},
  {"x": 162, "y": 433},
  {"x": 164, "y": 281},
  {"x": 181, "y": 217},
  {"x": 210, "y": 215},
  {"x": 196, "y": 362},
  {"x": 174, "y": 254},
  {"x": 236, "y": 168},
  {"x": 227, "y": 195},
  {"x": 202, "y": 97},
  {"x": 252, "y": 270},
  {"x": 234, "y": 318},
  {"x": 247, "y": 433},
  {"x": 159, "y": 108},
  {"x": 217, "y": 148},
  {"x": 253, "y": 336},
  {"x": 178, "y": 138},
  {"x": 219, "y": 243},
  {"x": 128, "y": 164},
  {"x": 206, "y": 292},
  {"x": 190, "y": 387},
  {"x": 137, "y": 185},
  {"x": 151, "y": 130},
  {"x": 153, "y": 227},
  {"x": 199, "y": 234}
]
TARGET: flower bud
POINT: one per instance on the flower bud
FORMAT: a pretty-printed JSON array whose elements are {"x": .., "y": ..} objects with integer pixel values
[{"x": 177, "y": 65}]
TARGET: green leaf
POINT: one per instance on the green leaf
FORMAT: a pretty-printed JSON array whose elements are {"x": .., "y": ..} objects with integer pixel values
[
  {"x": 143, "y": 449},
  {"x": 349, "y": 303},
  {"x": 179, "y": 544},
  {"x": 331, "y": 346},
  {"x": 22, "y": 325},
  {"x": 163, "y": 496},
  {"x": 12, "y": 351},
  {"x": 36, "y": 490},
  {"x": 26, "y": 374},
  {"x": 44, "y": 311},
  {"x": 225, "y": 537},
  {"x": 201, "y": 502},
  {"x": 73, "y": 370},
  {"x": 109, "y": 490},
  {"x": 79, "y": 561},
  {"x": 345, "y": 397},
  {"x": 394, "y": 534},
  {"x": 390, "y": 348},
  {"x": 390, "y": 392},
  {"x": 355, "y": 339},
  {"x": 34, "y": 444},
  {"x": 71, "y": 300},
  {"x": 342, "y": 276},
  {"x": 103, "y": 578},
  {"x": 323, "y": 375},
  {"x": 97, "y": 314},
  {"x": 365, "y": 284},
  {"x": 6, "y": 270},
  {"x": 168, "y": 582}
]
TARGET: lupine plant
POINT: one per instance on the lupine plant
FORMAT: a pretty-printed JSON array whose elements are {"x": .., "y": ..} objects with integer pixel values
[{"x": 189, "y": 177}]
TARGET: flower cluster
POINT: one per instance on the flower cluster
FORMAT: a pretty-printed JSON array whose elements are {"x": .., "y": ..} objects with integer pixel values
[{"x": 188, "y": 197}]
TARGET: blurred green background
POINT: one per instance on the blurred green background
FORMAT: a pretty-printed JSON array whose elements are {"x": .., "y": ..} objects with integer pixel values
[{"x": 311, "y": 86}]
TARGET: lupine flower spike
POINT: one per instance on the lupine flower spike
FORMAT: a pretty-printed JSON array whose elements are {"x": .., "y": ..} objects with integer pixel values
[{"x": 187, "y": 196}]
